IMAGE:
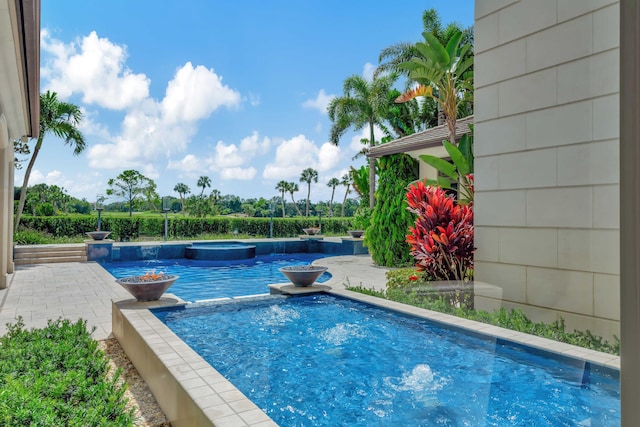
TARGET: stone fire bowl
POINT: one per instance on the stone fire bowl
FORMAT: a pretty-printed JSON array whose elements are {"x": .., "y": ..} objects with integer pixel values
[
  {"x": 303, "y": 275},
  {"x": 147, "y": 290}
]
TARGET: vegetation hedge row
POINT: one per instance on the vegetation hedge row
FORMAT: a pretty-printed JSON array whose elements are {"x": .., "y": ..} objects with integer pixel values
[{"x": 123, "y": 228}]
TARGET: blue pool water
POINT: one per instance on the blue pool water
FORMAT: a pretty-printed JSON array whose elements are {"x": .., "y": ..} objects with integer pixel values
[
  {"x": 201, "y": 280},
  {"x": 328, "y": 361}
]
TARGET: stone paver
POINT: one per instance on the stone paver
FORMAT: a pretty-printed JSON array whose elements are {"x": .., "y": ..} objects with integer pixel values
[{"x": 73, "y": 290}]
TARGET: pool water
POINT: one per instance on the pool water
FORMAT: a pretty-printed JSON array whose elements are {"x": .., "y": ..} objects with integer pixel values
[
  {"x": 204, "y": 279},
  {"x": 327, "y": 361}
]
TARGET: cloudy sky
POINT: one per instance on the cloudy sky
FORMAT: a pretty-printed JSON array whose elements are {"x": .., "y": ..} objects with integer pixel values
[{"x": 233, "y": 90}]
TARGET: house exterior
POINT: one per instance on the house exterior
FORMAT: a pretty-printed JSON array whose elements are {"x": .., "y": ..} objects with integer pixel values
[
  {"x": 428, "y": 141},
  {"x": 19, "y": 105}
]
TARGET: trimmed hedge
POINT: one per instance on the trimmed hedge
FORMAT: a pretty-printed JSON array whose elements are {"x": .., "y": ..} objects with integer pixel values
[{"x": 181, "y": 227}]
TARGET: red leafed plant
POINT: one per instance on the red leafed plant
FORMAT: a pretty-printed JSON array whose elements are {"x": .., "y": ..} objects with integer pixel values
[{"x": 442, "y": 238}]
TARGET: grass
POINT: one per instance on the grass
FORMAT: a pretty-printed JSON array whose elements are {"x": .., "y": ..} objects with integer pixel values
[{"x": 57, "y": 376}]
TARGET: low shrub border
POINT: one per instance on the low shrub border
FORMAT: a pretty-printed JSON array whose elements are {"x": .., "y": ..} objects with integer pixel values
[
  {"x": 57, "y": 376},
  {"x": 401, "y": 287}
]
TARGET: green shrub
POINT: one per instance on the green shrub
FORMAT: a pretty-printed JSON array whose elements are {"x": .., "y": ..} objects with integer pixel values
[
  {"x": 57, "y": 376},
  {"x": 45, "y": 209},
  {"x": 30, "y": 237},
  {"x": 386, "y": 238}
]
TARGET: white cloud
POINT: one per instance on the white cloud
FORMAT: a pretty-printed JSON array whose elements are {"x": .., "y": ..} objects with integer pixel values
[
  {"x": 245, "y": 174},
  {"x": 320, "y": 103},
  {"x": 298, "y": 153},
  {"x": 95, "y": 68},
  {"x": 189, "y": 164},
  {"x": 252, "y": 146},
  {"x": 367, "y": 71},
  {"x": 194, "y": 93},
  {"x": 227, "y": 155}
]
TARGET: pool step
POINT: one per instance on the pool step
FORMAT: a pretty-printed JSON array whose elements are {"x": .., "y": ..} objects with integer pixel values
[{"x": 46, "y": 254}]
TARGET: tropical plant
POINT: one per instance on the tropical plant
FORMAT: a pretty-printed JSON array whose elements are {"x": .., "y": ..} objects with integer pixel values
[
  {"x": 333, "y": 183},
  {"x": 391, "y": 57},
  {"x": 361, "y": 218},
  {"x": 309, "y": 175},
  {"x": 360, "y": 180},
  {"x": 346, "y": 181},
  {"x": 60, "y": 119},
  {"x": 442, "y": 237},
  {"x": 442, "y": 74},
  {"x": 130, "y": 185},
  {"x": 182, "y": 190},
  {"x": 459, "y": 171},
  {"x": 386, "y": 236},
  {"x": 292, "y": 187},
  {"x": 204, "y": 182},
  {"x": 363, "y": 104},
  {"x": 282, "y": 187}
]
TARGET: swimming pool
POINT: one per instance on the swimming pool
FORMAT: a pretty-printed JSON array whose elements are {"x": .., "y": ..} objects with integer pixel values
[
  {"x": 324, "y": 361},
  {"x": 202, "y": 280}
]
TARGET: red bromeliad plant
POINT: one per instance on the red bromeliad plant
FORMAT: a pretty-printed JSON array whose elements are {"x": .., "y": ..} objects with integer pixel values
[{"x": 442, "y": 238}]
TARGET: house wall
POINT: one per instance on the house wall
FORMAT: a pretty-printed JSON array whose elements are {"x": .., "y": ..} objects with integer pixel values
[
  {"x": 546, "y": 159},
  {"x": 426, "y": 171}
]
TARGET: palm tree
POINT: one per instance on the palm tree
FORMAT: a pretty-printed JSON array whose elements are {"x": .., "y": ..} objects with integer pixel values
[
  {"x": 62, "y": 120},
  {"x": 204, "y": 182},
  {"x": 182, "y": 190},
  {"x": 333, "y": 183},
  {"x": 363, "y": 104},
  {"x": 440, "y": 71},
  {"x": 346, "y": 181},
  {"x": 282, "y": 188},
  {"x": 292, "y": 187},
  {"x": 308, "y": 175}
]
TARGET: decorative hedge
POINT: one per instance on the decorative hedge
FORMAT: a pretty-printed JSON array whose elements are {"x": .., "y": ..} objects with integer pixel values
[{"x": 181, "y": 228}]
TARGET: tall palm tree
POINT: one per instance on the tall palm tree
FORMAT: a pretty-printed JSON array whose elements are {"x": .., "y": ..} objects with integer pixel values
[
  {"x": 363, "y": 104},
  {"x": 292, "y": 187},
  {"x": 182, "y": 190},
  {"x": 309, "y": 175},
  {"x": 346, "y": 181},
  {"x": 204, "y": 182},
  {"x": 442, "y": 74},
  {"x": 282, "y": 188},
  {"x": 333, "y": 183},
  {"x": 62, "y": 120}
]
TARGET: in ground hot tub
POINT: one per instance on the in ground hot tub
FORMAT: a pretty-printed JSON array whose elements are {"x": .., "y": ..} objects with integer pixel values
[{"x": 219, "y": 251}]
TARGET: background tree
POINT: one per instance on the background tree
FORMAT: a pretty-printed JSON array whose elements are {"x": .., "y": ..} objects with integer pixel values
[
  {"x": 62, "y": 120},
  {"x": 130, "y": 185},
  {"x": 346, "y": 181},
  {"x": 282, "y": 188},
  {"x": 204, "y": 182},
  {"x": 292, "y": 187},
  {"x": 182, "y": 190},
  {"x": 333, "y": 183},
  {"x": 363, "y": 104},
  {"x": 309, "y": 175},
  {"x": 214, "y": 197}
]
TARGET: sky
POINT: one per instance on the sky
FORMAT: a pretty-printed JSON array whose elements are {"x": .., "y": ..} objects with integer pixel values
[{"x": 233, "y": 90}]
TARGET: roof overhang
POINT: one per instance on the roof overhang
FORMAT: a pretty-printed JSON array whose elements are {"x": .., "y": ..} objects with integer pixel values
[
  {"x": 418, "y": 141},
  {"x": 20, "y": 66}
]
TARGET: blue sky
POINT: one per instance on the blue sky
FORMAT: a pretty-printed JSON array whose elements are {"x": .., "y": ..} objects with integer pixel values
[{"x": 235, "y": 91}]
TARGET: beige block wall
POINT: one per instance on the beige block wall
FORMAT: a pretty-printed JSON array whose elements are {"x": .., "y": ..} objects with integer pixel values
[{"x": 546, "y": 146}]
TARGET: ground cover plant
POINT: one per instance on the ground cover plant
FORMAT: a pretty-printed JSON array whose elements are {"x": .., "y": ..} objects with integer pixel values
[
  {"x": 408, "y": 286},
  {"x": 57, "y": 376}
]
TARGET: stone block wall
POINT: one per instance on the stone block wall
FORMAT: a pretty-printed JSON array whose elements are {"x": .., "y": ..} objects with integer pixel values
[{"x": 547, "y": 159}]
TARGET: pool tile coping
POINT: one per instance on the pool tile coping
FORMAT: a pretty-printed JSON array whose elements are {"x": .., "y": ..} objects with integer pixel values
[{"x": 220, "y": 402}]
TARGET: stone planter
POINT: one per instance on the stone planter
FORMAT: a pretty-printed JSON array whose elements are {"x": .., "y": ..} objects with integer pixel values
[
  {"x": 149, "y": 287},
  {"x": 356, "y": 233},
  {"x": 311, "y": 231},
  {"x": 98, "y": 235},
  {"x": 302, "y": 275}
]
